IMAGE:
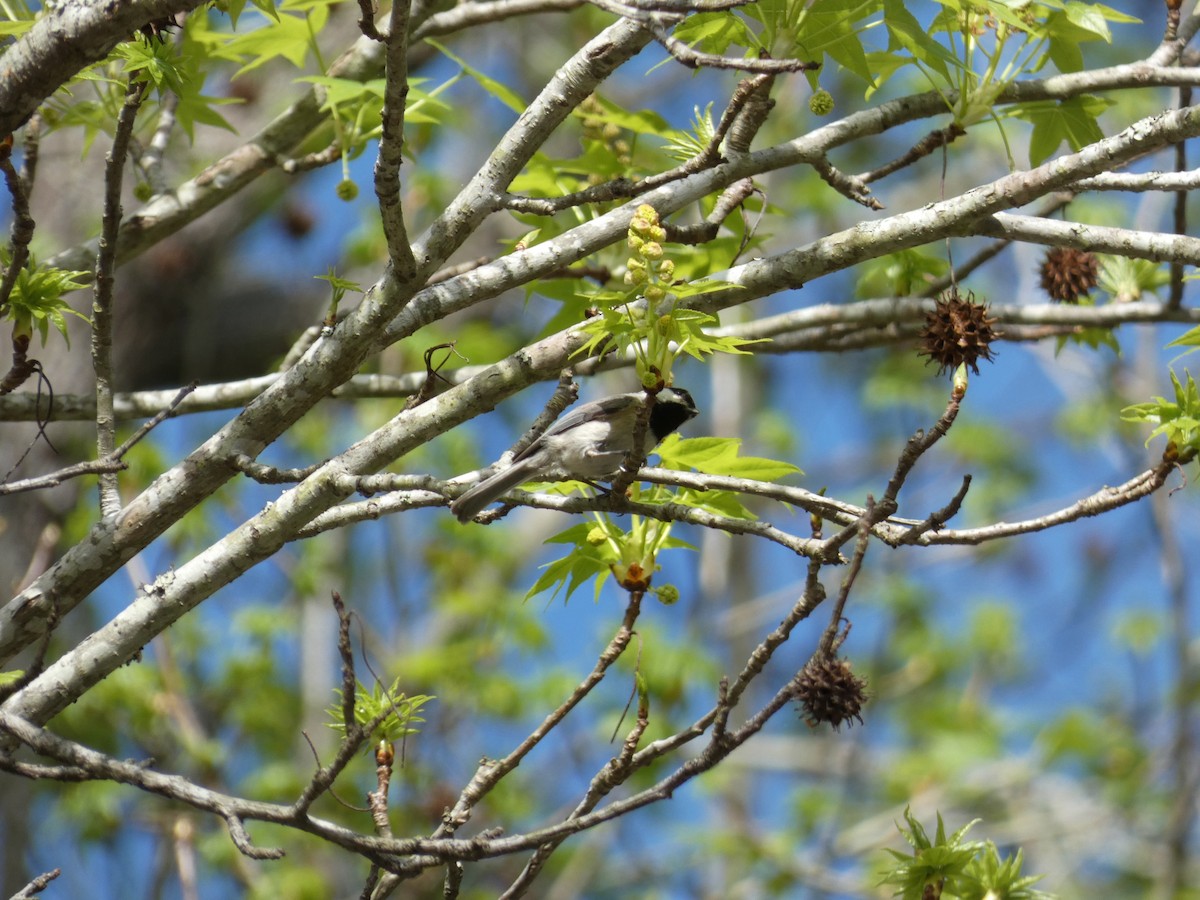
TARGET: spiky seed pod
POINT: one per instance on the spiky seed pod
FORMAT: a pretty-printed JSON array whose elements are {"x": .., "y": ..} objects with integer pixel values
[
  {"x": 827, "y": 690},
  {"x": 958, "y": 331},
  {"x": 1068, "y": 274}
]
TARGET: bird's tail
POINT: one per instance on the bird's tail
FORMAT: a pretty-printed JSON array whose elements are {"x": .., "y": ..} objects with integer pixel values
[{"x": 473, "y": 502}]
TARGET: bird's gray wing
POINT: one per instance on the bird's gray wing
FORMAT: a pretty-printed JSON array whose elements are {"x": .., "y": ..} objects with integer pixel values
[{"x": 605, "y": 406}]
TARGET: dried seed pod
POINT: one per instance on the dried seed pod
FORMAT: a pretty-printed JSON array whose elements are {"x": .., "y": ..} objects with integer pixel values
[
  {"x": 958, "y": 331},
  {"x": 1068, "y": 274},
  {"x": 828, "y": 691}
]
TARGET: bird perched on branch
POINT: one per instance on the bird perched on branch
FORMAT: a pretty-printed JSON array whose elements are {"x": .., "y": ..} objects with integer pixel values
[{"x": 589, "y": 443}]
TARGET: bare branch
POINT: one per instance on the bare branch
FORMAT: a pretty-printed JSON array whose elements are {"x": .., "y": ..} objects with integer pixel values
[
  {"x": 571, "y": 84},
  {"x": 1099, "y": 238},
  {"x": 1140, "y": 181},
  {"x": 241, "y": 840},
  {"x": 469, "y": 15},
  {"x": 366, "y": 20},
  {"x": 931, "y": 142},
  {"x": 22, "y": 227},
  {"x": 813, "y": 327},
  {"x": 1104, "y": 500},
  {"x": 36, "y": 886},
  {"x": 489, "y": 773},
  {"x": 391, "y": 143},
  {"x": 150, "y": 161},
  {"x": 54, "y": 479},
  {"x": 111, "y": 463},
  {"x": 114, "y": 169},
  {"x": 849, "y": 186}
]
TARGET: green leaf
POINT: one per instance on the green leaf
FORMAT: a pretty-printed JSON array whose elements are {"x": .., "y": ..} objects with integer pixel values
[
  {"x": 1073, "y": 120},
  {"x": 1178, "y": 420},
  {"x": 402, "y": 711},
  {"x": 720, "y": 456},
  {"x": 233, "y": 8},
  {"x": 289, "y": 37},
  {"x": 1093, "y": 18},
  {"x": 932, "y": 862},
  {"x": 585, "y": 561},
  {"x": 900, "y": 274},
  {"x": 988, "y": 877},
  {"x": 906, "y": 32},
  {"x": 714, "y": 32},
  {"x": 501, "y": 92},
  {"x": 156, "y": 62},
  {"x": 644, "y": 121},
  {"x": 339, "y": 284},
  {"x": 1092, "y": 338},
  {"x": 827, "y": 27},
  {"x": 1190, "y": 338},
  {"x": 15, "y": 29},
  {"x": 883, "y": 65},
  {"x": 683, "y": 145},
  {"x": 1140, "y": 631},
  {"x": 37, "y": 300},
  {"x": 197, "y": 109},
  {"x": 719, "y": 503},
  {"x": 344, "y": 91}
]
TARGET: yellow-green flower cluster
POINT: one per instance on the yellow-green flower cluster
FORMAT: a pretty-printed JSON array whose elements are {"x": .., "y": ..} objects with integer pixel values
[
  {"x": 647, "y": 268},
  {"x": 596, "y": 127}
]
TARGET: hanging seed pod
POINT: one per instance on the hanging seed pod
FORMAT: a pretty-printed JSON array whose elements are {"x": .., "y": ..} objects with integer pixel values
[
  {"x": 958, "y": 331},
  {"x": 827, "y": 690},
  {"x": 1068, "y": 274}
]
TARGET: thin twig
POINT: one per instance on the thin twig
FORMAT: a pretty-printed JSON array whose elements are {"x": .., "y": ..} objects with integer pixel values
[
  {"x": 1180, "y": 216},
  {"x": 391, "y": 144},
  {"x": 56, "y": 478},
  {"x": 318, "y": 159},
  {"x": 150, "y": 161},
  {"x": 112, "y": 463},
  {"x": 490, "y": 772},
  {"x": 614, "y": 773},
  {"x": 265, "y": 474},
  {"x": 931, "y": 142},
  {"x": 830, "y": 638},
  {"x": 36, "y": 886},
  {"x": 702, "y": 232},
  {"x": 102, "y": 295},
  {"x": 366, "y": 20},
  {"x": 849, "y": 186},
  {"x": 748, "y": 93},
  {"x": 22, "y": 226},
  {"x": 346, "y": 654},
  {"x": 937, "y": 519},
  {"x": 1102, "y": 501}
]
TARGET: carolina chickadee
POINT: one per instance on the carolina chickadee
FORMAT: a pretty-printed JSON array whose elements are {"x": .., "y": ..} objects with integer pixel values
[{"x": 587, "y": 444}]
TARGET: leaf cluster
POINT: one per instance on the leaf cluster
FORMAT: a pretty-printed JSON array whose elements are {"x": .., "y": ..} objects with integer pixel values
[
  {"x": 1178, "y": 419},
  {"x": 36, "y": 301},
  {"x": 393, "y": 713},
  {"x": 951, "y": 866},
  {"x": 602, "y": 548},
  {"x": 988, "y": 44},
  {"x": 649, "y": 318}
]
